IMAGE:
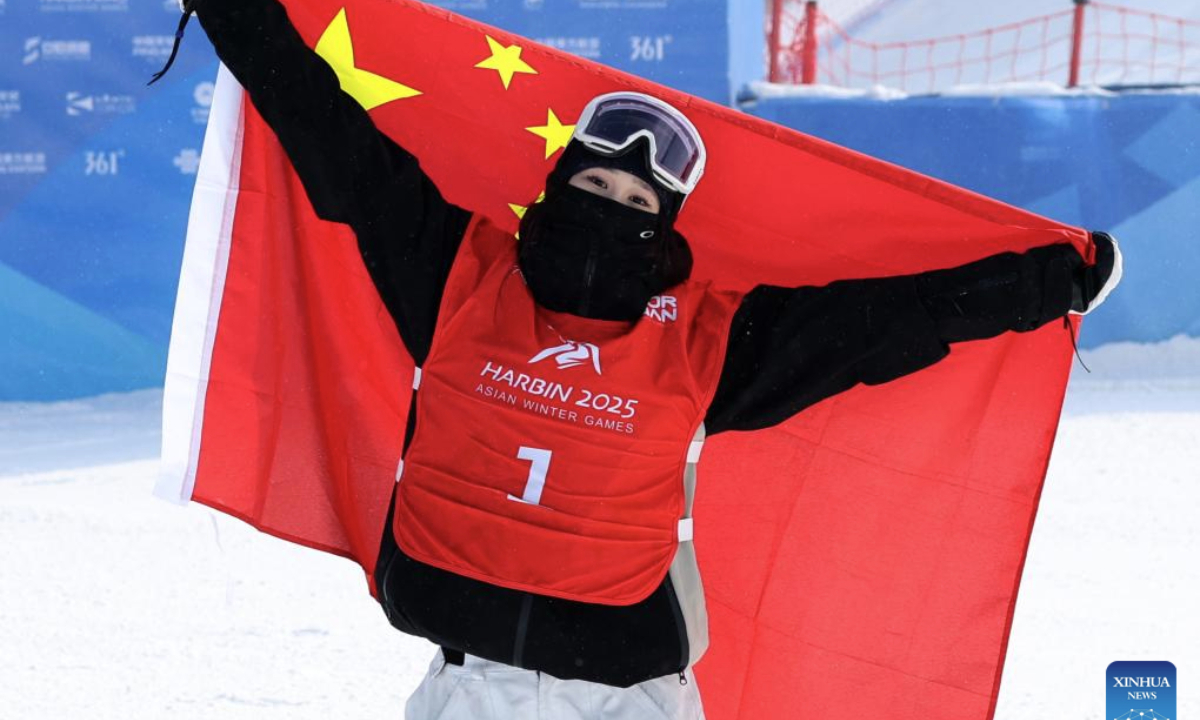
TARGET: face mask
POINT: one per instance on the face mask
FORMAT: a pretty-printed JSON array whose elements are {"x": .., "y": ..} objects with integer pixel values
[{"x": 591, "y": 256}]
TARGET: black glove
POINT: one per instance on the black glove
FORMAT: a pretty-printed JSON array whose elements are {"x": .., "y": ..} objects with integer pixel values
[{"x": 1092, "y": 283}]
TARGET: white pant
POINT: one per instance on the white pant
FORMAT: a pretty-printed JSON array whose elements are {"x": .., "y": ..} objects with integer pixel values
[{"x": 484, "y": 690}]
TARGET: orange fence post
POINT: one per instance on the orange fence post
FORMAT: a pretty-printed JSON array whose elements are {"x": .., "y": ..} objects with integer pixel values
[
  {"x": 776, "y": 21},
  {"x": 808, "y": 72},
  {"x": 1076, "y": 42}
]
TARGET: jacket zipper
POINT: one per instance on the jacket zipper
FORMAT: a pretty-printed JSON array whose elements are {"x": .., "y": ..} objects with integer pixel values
[
  {"x": 589, "y": 271},
  {"x": 522, "y": 631},
  {"x": 680, "y": 627}
]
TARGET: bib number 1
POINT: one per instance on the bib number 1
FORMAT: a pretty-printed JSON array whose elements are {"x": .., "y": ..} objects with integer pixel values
[{"x": 540, "y": 465}]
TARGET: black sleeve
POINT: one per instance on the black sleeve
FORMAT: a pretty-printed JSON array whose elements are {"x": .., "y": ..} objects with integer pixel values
[
  {"x": 352, "y": 172},
  {"x": 790, "y": 348}
]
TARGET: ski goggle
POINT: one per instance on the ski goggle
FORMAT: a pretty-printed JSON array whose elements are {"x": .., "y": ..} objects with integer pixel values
[{"x": 611, "y": 123}]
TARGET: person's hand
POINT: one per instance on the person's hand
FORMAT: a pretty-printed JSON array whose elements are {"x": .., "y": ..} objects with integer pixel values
[{"x": 1093, "y": 283}]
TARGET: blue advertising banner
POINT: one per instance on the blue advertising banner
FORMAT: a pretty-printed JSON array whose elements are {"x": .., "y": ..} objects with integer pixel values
[
  {"x": 1128, "y": 164},
  {"x": 96, "y": 172}
]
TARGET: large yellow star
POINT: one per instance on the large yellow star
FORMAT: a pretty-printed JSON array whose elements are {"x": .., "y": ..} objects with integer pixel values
[
  {"x": 506, "y": 61},
  {"x": 369, "y": 89},
  {"x": 553, "y": 132}
]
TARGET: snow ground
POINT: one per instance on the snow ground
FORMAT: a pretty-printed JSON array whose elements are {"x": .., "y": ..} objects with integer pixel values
[{"x": 114, "y": 604}]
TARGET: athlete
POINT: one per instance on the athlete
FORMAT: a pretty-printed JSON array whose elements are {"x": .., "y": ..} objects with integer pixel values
[{"x": 540, "y": 532}]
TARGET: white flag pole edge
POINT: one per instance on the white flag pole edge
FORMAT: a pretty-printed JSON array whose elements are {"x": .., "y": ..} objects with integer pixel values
[{"x": 201, "y": 286}]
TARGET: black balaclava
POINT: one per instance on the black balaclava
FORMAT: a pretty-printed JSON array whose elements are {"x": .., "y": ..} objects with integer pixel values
[{"x": 591, "y": 256}]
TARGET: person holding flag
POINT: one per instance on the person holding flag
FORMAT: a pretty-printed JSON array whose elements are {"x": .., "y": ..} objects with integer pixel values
[{"x": 582, "y": 361}]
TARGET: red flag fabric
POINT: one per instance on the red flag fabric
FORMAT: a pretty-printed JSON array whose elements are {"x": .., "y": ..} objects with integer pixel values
[{"x": 863, "y": 557}]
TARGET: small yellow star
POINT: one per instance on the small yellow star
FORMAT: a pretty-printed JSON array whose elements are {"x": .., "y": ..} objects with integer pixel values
[
  {"x": 519, "y": 210},
  {"x": 553, "y": 132},
  {"x": 369, "y": 89},
  {"x": 506, "y": 61}
]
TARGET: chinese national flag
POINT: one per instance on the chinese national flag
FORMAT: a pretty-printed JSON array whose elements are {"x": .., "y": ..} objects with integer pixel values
[{"x": 861, "y": 559}]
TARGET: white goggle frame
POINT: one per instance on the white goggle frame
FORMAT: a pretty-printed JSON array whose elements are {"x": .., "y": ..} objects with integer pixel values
[{"x": 653, "y": 105}]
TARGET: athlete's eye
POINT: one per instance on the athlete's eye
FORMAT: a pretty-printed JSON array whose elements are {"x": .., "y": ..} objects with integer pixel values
[
  {"x": 597, "y": 181},
  {"x": 639, "y": 200}
]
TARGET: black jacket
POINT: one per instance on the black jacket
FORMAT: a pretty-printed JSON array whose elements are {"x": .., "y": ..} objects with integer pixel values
[{"x": 788, "y": 347}]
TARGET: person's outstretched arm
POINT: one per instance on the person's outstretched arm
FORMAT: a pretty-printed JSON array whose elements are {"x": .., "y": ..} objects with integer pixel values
[
  {"x": 352, "y": 172},
  {"x": 790, "y": 348}
]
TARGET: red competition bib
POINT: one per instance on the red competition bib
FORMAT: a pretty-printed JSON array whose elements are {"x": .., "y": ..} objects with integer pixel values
[{"x": 550, "y": 449}]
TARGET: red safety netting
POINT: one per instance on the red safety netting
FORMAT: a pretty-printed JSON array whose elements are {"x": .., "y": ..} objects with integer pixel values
[{"x": 1108, "y": 44}]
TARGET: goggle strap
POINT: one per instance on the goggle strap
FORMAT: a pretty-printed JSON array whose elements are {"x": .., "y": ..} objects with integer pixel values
[{"x": 662, "y": 175}]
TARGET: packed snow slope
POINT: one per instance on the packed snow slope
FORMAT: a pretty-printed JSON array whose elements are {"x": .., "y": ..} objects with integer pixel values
[{"x": 115, "y": 605}]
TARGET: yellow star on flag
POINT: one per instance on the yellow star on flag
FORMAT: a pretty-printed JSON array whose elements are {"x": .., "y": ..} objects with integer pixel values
[
  {"x": 369, "y": 89},
  {"x": 506, "y": 61},
  {"x": 553, "y": 132},
  {"x": 519, "y": 210}
]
